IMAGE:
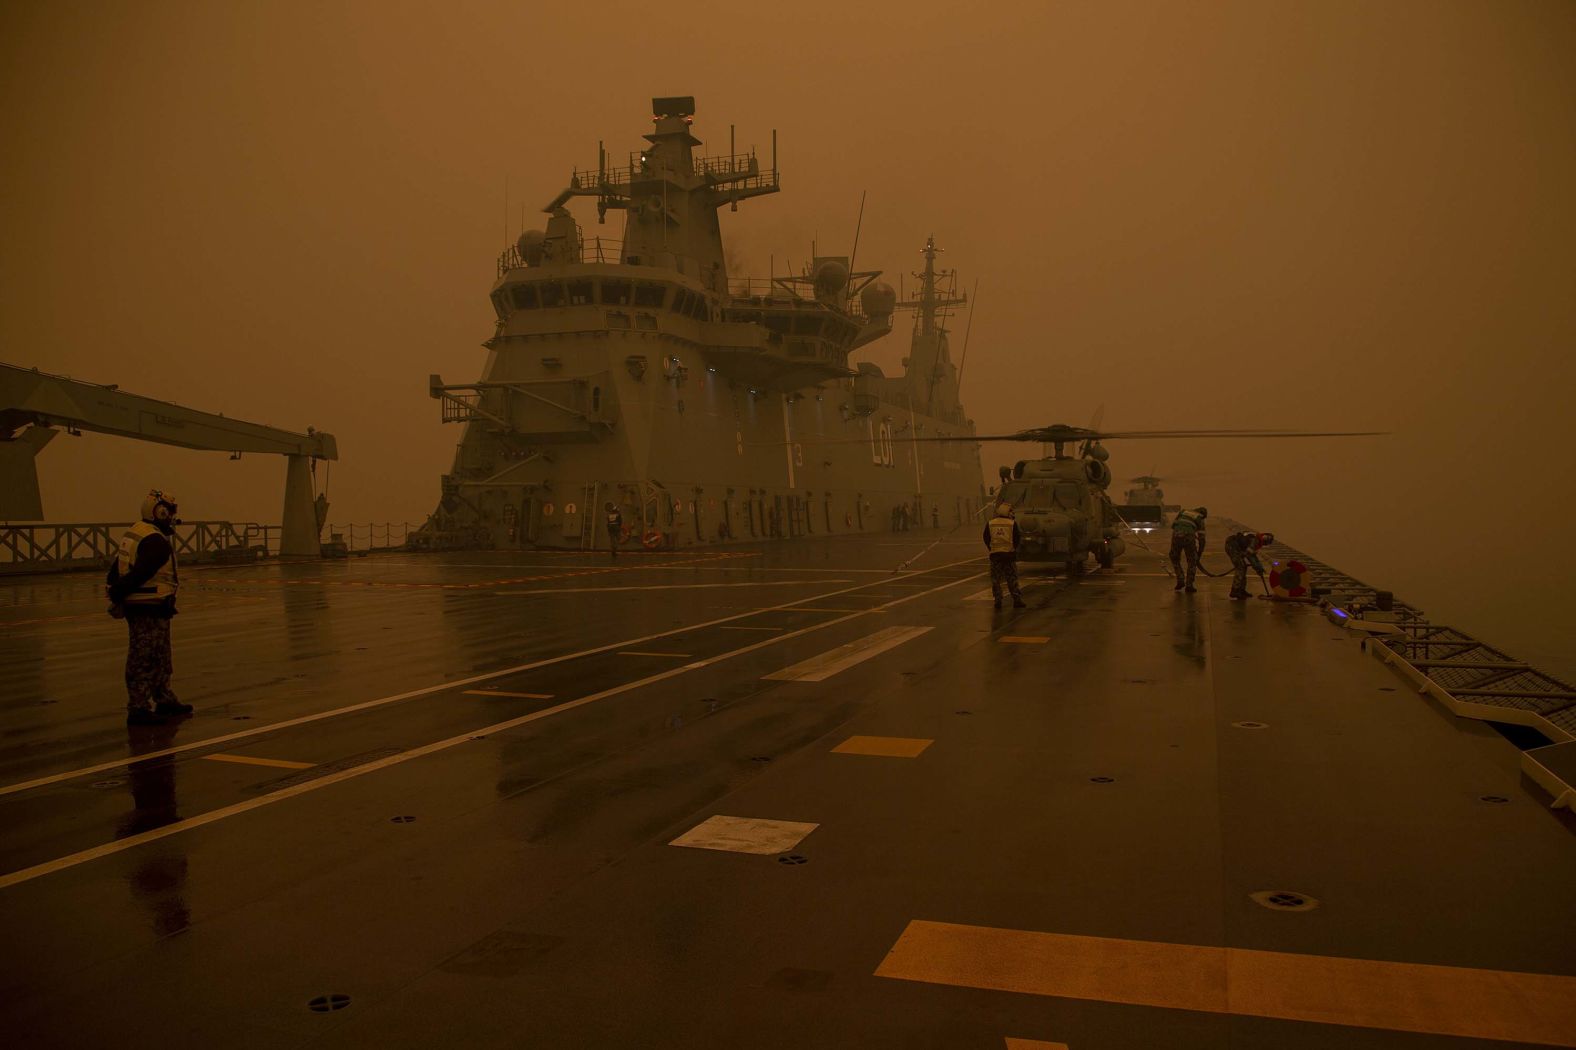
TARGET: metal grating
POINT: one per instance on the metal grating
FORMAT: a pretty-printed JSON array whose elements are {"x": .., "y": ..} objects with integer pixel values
[{"x": 1469, "y": 670}]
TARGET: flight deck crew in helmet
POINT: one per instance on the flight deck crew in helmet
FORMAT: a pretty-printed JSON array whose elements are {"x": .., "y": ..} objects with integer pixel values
[
  {"x": 1187, "y": 541},
  {"x": 1001, "y": 539},
  {"x": 615, "y": 528},
  {"x": 1242, "y": 548},
  {"x": 142, "y": 584}
]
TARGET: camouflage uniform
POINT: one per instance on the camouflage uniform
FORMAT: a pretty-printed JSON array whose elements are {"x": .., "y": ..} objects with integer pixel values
[
  {"x": 149, "y": 661},
  {"x": 1187, "y": 538},
  {"x": 1240, "y": 549},
  {"x": 1004, "y": 572}
]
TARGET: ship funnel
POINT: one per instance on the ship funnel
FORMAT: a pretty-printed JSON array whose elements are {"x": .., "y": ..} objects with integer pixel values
[
  {"x": 831, "y": 277},
  {"x": 530, "y": 246},
  {"x": 879, "y": 300}
]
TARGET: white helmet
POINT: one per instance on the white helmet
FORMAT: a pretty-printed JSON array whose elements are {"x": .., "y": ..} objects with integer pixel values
[{"x": 153, "y": 502}]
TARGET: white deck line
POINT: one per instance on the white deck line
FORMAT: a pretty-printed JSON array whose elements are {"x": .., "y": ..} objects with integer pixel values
[
  {"x": 820, "y": 668},
  {"x": 212, "y": 816}
]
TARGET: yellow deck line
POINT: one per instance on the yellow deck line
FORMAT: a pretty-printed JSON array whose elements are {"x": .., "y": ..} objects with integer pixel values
[
  {"x": 1364, "y": 993},
  {"x": 248, "y": 760},
  {"x": 1023, "y": 639},
  {"x": 502, "y": 692},
  {"x": 640, "y": 652}
]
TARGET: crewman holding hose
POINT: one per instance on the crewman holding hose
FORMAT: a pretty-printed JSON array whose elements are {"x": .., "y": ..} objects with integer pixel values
[
  {"x": 1187, "y": 541},
  {"x": 1242, "y": 548},
  {"x": 141, "y": 584},
  {"x": 1001, "y": 539}
]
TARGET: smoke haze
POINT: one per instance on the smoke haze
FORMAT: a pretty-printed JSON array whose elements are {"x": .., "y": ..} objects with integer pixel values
[{"x": 1341, "y": 215}]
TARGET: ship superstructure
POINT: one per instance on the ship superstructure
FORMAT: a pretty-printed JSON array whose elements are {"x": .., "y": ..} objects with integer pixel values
[{"x": 707, "y": 408}]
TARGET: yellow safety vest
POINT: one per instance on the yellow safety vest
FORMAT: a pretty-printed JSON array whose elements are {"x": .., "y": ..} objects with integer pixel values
[
  {"x": 165, "y": 582},
  {"x": 1001, "y": 535}
]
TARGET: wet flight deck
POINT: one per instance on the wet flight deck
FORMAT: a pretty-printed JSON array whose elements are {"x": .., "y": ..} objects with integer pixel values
[{"x": 788, "y": 797}]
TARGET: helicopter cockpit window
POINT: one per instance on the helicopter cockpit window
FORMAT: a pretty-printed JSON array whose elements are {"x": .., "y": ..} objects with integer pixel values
[
  {"x": 1012, "y": 492},
  {"x": 1068, "y": 497},
  {"x": 1038, "y": 497}
]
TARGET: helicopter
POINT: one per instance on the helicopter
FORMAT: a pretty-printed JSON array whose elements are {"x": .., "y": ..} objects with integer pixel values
[
  {"x": 1145, "y": 508},
  {"x": 1060, "y": 500}
]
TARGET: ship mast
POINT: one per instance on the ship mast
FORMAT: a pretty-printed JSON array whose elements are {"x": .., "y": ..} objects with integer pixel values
[
  {"x": 932, "y": 302},
  {"x": 932, "y": 377}
]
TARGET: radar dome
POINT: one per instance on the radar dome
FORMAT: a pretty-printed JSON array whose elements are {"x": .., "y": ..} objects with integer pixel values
[
  {"x": 879, "y": 299},
  {"x": 831, "y": 277},
  {"x": 530, "y": 246}
]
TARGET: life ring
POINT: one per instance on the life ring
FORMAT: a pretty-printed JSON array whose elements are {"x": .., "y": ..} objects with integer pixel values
[
  {"x": 1290, "y": 580},
  {"x": 651, "y": 540}
]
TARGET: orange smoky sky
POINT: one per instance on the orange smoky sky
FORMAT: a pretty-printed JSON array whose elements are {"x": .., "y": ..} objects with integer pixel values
[{"x": 1337, "y": 215}]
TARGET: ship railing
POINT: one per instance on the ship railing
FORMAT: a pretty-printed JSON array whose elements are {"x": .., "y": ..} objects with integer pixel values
[
  {"x": 373, "y": 536},
  {"x": 596, "y": 250},
  {"x": 743, "y": 168},
  {"x": 770, "y": 292},
  {"x": 54, "y": 548},
  {"x": 1469, "y": 677}
]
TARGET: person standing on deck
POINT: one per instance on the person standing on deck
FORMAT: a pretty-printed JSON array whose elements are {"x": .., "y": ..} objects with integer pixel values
[
  {"x": 141, "y": 585},
  {"x": 1187, "y": 540},
  {"x": 615, "y": 529},
  {"x": 1002, "y": 537},
  {"x": 1243, "y": 550}
]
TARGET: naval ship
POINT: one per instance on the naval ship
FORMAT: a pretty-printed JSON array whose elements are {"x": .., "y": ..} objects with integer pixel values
[{"x": 706, "y": 408}]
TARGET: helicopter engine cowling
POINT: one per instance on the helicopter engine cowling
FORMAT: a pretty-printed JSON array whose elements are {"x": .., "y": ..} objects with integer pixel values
[{"x": 1097, "y": 472}]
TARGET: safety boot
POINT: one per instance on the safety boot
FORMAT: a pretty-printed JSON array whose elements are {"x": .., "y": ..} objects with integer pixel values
[
  {"x": 144, "y": 716},
  {"x": 1018, "y": 603},
  {"x": 1190, "y": 589},
  {"x": 1178, "y": 587},
  {"x": 172, "y": 709}
]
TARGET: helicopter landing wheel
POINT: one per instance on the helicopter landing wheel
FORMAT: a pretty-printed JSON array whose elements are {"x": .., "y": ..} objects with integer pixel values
[{"x": 1105, "y": 559}]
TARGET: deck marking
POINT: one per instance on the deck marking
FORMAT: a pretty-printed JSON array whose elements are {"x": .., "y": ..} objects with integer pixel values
[
  {"x": 822, "y": 608},
  {"x": 71, "y": 860},
  {"x": 1362, "y": 993},
  {"x": 745, "y": 834},
  {"x": 1023, "y": 639},
  {"x": 883, "y": 746},
  {"x": 248, "y": 760},
  {"x": 1033, "y": 1044},
  {"x": 820, "y": 668},
  {"x": 290, "y": 723},
  {"x": 731, "y": 627},
  {"x": 503, "y": 692},
  {"x": 638, "y": 652},
  {"x": 670, "y": 587}
]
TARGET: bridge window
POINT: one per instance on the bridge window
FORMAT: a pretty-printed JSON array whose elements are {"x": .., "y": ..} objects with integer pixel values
[
  {"x": 580, "y": 292},
  {"x": 807, "y": 324},
  {"x": 596, "y": 399},
  {"x": 616, "y": 292},
  {"x": 647, "y": 294},
  {"x": 524, "y": 296},
  {"x": 552, "y": 293}
]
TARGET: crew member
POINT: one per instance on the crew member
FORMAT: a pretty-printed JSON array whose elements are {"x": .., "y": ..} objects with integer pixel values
[
  {"x": 1001, "y": 539},
  {"x": 1187, "y": 541},
  {"x": 1242, "y": 548},
  {"x": 615, "y": 528},
  {"x": 142, "y": 583}
]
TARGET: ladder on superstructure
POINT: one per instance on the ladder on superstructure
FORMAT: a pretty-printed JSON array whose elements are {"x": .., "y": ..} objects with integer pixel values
[{"x": 588, "y": 516}]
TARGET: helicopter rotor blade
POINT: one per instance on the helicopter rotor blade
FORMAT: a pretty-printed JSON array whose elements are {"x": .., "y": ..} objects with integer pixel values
[{"x": 1066, "y": 435}]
